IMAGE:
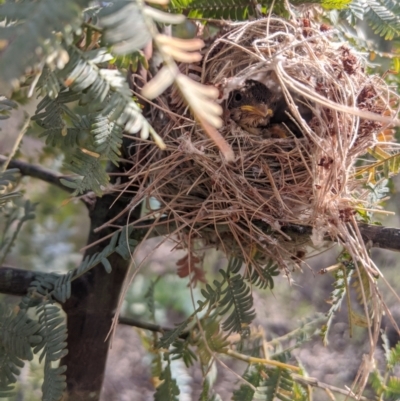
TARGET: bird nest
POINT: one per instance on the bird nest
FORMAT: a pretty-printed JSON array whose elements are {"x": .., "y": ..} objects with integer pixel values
[{"x": 295, "y": 166}]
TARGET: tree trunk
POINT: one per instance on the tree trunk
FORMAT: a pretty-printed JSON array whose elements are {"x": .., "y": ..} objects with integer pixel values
[{"x": 90, "y": 311}]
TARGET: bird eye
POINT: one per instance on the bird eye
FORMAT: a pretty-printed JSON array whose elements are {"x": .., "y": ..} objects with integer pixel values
[{"x": 238, "y": 97}]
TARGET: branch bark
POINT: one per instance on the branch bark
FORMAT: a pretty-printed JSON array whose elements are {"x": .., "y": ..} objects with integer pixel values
[
  {"x": 39, "y": 172},
  {"x": 381, "y": 237},
  {"x": 16, "y": 281},
  {"x": 90, "y": 311}
]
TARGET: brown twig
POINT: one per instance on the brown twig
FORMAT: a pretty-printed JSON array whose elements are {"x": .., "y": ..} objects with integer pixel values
[
  {"x": 311, "y": 381},
  {"x": 36, "y": 171}
]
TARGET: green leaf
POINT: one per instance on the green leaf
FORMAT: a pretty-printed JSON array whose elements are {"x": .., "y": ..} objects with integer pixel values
[
  {"x": 53, "y": 332},
  {"x": 124, "y": 27},
  {"x": 181, "y": 350},
  {"x": 54, "y": 383},
  {"x": 96, "y": 136},
  {"x": 12, "y": 225},
  {"x": 213, "y": 341},
  {"x": 168, "y": 389},
  {"x": 382, "y": 19},
  {"x": 342, "y": 280},
  {"x": 236, "y": 299},
  {"x": 253, "y": 375},
  {"x": 170, "y": 336},
  {"x": 278, "y": 385},
  {"x": 263, "y": 277},
  {"x": 107, "y": 137},
  {"x": 149, "y": 297},
  {"x": 32, "y": 38},
  {"x": 226, "y": 9},
  {"x": 393, "y": 387},
  {"x": 62, "y": 287},
  {"x": 92, "y": 176},
  {"x": 382, "y": 15},
  {"x": 6, "y": 106},
  {"x": 10, "y": 367},
  {"x": 7, "y": 178},
  {"x": 17, "y": 333}
]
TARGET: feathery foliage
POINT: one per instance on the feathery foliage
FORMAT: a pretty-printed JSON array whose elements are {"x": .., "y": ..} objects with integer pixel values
[
  {"x": 59, "y": 286},
  {"x": 149, "y": 298},
  {"x": 341, "y": 285},
  {"x": 47, "y": 335},
  {"x": 95, "y": 136},
  {"x": 29, "y": 36},
  {"x": 18, "y": 333},
  {"x": 14, "y": 218},
  {"x": 279, "y": 385},
  {"x": 10, "y": 367},
  {"x": 254, "y": 376},
  {"x": 7, "y": 179},
  {"x": 52, "y": 331},
  {"x": 387, "y": 386},
  {"x": 168, "y": 389},
  {"x": 181, "y": 350},
  {"x": 241, "y": 9},
  {"x": 52, "y": 348},
  {"x": 264, "y": 277},
  {"x": 382, "y": 15},
  {"x": 170, "y": 336},
  {"x": 233, "y": 297},
  {"x": 213, "y": 341},
  {"x": 6, "y": 106}
]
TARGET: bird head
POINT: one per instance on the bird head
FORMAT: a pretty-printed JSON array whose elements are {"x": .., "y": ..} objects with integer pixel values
[{"x": 251, "y": 105}]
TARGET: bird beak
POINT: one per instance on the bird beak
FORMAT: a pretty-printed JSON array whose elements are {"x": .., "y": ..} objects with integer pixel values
[{"x": 260, "y": 111}]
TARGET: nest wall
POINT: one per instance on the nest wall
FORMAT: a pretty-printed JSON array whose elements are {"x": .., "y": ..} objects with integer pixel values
[{"x": 306, "y": 179}]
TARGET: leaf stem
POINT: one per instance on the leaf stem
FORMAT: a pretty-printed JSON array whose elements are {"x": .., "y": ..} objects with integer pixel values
[
  {"x": 17, "y": 142},
  {"x": 251, "y": 359}
]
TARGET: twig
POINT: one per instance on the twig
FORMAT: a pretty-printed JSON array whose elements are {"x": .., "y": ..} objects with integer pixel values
[
  {"x": 39, "y": 172},
  {"x": 288, "y": 336},
  {"x": 142, "y": 325},
  {"x": 16, "y": 144},
  {"x": 251, "y": 359},
  {"x": 311, "y": 381}
]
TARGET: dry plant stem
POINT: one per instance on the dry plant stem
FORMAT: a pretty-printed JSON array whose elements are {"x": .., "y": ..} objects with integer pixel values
[
  {"x": 310, "y": 381},
  {"x": 288, "y": 336},
  {"x": 303, "y": 90},
  {"x": 17, "y": 142},
  {"x": 132, "y": 271},
  {"x": 250, "y": 359},
  {"x": 239, "y": 377}
]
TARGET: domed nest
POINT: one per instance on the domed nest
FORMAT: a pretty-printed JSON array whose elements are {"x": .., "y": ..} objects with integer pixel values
[{"x": 299, "y": 110}]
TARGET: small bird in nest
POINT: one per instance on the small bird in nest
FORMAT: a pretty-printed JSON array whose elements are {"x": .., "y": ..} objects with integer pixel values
[{"x": 259, "y": 111}]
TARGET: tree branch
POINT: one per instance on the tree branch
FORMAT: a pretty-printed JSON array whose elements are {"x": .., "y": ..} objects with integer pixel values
[
  {"x": 142, "y": 325},
  {"x": 15, "y": 281},
  {"x": 373, "y": 236},
  {"x": 39, "y": 172},
  {"x": 381, "y": 237},
  {"x": 311, "y": 381}
]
